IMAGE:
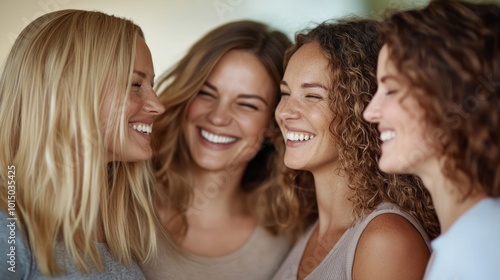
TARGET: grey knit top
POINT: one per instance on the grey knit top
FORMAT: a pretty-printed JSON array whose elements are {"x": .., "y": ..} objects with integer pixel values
[{"x": 18, "y": 262}]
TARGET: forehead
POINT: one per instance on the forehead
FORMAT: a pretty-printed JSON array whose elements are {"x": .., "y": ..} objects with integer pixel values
[
  {"x": 385, "y": 65},
  {"x": 239, "y": 60},
  {"x": 143, "y": 59},
  {"x": 309, "y": 52},
  {"x": 241, "y": 71},
  {"x": 308, "y": 62}
]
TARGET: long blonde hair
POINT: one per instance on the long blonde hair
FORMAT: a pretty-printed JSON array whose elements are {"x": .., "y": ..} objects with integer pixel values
[
  {"x": 275, "y": 206},
  {"x": 60, "y": 69}
]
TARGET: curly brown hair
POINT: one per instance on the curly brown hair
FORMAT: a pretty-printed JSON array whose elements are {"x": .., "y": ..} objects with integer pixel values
[
  {"x": 352, "y": 45},
  {"x": 458, "y": 42}
]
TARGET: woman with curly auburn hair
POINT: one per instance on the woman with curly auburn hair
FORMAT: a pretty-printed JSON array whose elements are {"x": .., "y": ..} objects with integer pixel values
[
  {"x": 371, "y": 225},
  {"x": 76, "y": 108},
  {"x": 438, "y": 112},
  {"x": 218, "y": 169}
]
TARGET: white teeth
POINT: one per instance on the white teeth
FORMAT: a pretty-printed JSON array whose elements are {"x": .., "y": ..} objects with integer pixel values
[
  {"x": 217, "y": 139},
  {"x": 293, "y": 136},
  {"x": 387, "y": 135},
  {"x": 144, "y": 128}
]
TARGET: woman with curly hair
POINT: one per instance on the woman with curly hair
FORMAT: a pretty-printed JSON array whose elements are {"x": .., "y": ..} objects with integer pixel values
[
  {"x": 370, "y": 225},
  {"x": 217, "y": 167},
  {"x": 76, "y": 108},
  {"x": 438, "y": 112}
]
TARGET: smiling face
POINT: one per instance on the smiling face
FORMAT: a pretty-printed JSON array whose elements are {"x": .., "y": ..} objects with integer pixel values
[
  {"x": 141, "y": 108},
  {"x": 407, "y": 145},
  {"x": 303, "y": 113},
  {"x": 228, "y": 118}
]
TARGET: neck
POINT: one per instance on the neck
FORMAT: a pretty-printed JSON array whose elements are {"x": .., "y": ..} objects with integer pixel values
[
  {"x": 217, "y": 197},
  {"x": 447, "y": 197},
  {"x": 334, "y": 207}
]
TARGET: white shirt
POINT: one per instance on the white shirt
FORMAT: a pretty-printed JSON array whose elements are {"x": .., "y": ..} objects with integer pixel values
[{"x": 470, "y": 249}]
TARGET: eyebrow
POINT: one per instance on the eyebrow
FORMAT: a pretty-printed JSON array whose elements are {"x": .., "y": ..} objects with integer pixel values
[
  {"x": 210, "y": 86},
  {"x": 388, "y": 77},
  {"x": 142, "y": 74},
  {"x": 242, "y": 95},
  {"x": 307, "y": 85}
]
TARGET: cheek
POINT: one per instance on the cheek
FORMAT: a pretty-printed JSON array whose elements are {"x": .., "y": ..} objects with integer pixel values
[
  {"x": 255, "y": 126},
  {"x": 132, "y": 109},
  {"x": 424, "y": 139},
  {"x": 195, "y": 109},
  {"x": 323, "y": 116},
  {"x": 414, "y": 123}
]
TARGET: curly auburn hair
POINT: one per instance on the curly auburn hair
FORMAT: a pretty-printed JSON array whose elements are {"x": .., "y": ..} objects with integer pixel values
[
  {"x": 352, "y": 45},
  {"x": 458, "y": 42},
  {"x": 276, "y": 208}
]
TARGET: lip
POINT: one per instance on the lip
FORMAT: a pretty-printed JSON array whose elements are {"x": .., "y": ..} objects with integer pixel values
[
  {"x": 294, "y": 144},
  {"x": 148, "y": 121},
  {"x": 145, "y": 136},
  {"x": 215, "y": 146},
  {"x": 381, "y": 128},
  {"x": 384, "y": 144},
  {"x": 297, "y": 130}
]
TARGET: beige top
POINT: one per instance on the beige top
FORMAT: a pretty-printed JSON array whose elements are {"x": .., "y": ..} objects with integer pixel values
[
  {"x": 258, "y": 258},
  {"x": 339, "y": 261}
]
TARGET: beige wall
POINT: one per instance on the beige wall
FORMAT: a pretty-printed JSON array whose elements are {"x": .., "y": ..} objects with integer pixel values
[{"x": 171, "y": 26}]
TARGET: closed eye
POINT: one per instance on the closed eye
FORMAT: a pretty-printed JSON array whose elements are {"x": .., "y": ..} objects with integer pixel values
[
  {"x": 207, "y": 94},
  {"x": 251, "y": 106},
  {"x": 284, "y": 94},
  {"x": 314, "y": 96},
  {"x": 136, "y": 88}
]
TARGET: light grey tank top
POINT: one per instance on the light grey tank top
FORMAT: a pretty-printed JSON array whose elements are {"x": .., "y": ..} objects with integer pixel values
[
  {"x": 258, "y": 258},
  {"x": 339, "y": 261}
]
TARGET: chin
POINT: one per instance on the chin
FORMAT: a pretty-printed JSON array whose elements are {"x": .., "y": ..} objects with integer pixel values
[
  {"x": 209, "y": 164},
  {"x": 137, "y": 157},
  {"x": 385, "y": 165},
  {"x": 293, "y": 165},
  {"x": 390, "y": 167}
]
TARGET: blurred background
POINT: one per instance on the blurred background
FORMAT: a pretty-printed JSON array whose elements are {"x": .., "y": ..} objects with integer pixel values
[{"x": 172, "y": 26}]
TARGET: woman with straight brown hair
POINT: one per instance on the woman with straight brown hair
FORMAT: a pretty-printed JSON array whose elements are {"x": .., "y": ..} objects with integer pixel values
[{"x": 216, "y": 162}]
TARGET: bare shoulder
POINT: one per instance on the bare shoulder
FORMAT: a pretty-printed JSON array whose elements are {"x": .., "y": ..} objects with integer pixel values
[{"x": 390, "y": 248}]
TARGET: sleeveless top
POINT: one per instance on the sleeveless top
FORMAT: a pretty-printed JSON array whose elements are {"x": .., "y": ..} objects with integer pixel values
[
  {"x": 339, "y": 261},
  {"x": 258, "y": 258}
]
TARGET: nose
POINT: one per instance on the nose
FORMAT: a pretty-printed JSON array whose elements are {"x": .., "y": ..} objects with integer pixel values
[
  {"x": 288, "y": 108},
  {"x": 372, "y": 111},
  {"x": 153, "y": 105},
  {"x": 219, "y": 114}
]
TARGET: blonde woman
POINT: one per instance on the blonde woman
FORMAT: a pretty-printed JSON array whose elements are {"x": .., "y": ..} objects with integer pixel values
[
  {"x": 221, "y": 190},
  {"x": 76, "y": 109}
]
